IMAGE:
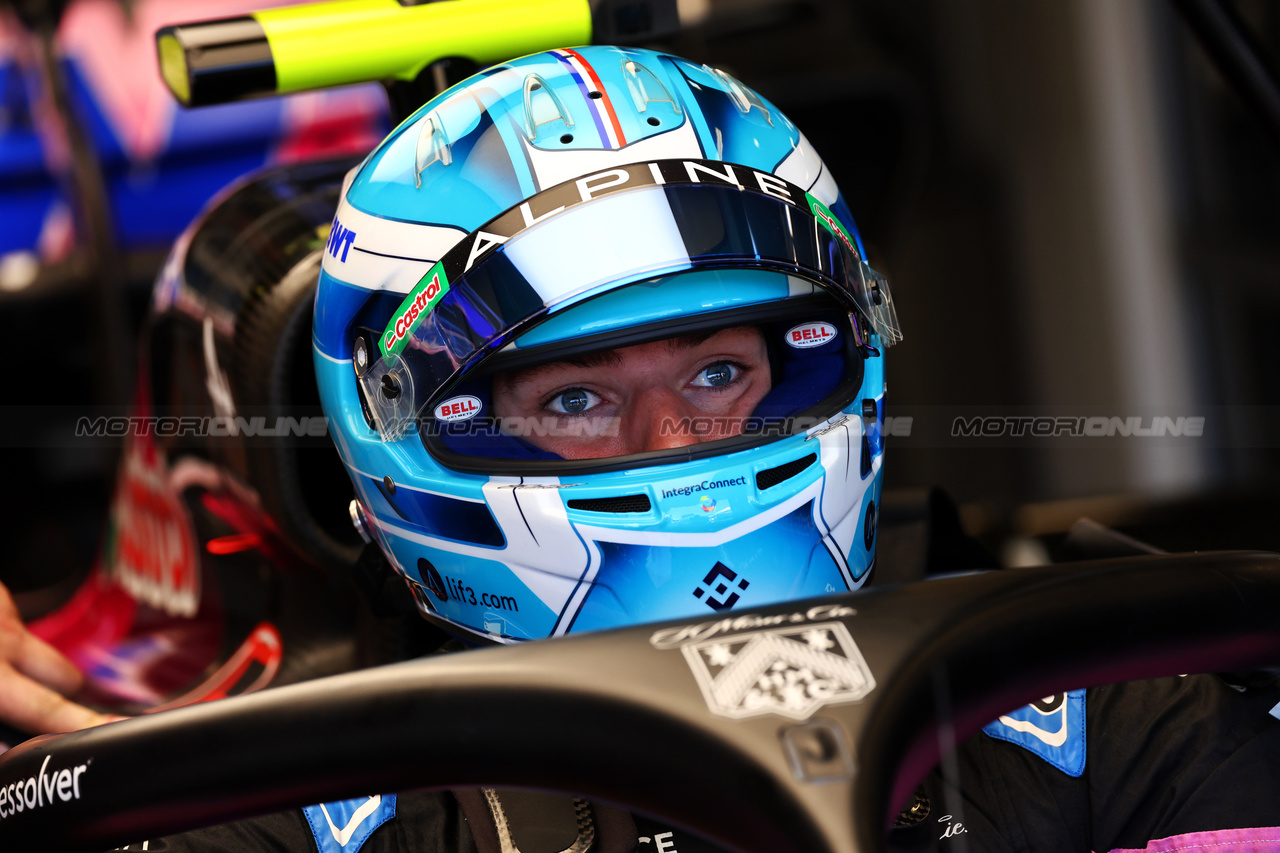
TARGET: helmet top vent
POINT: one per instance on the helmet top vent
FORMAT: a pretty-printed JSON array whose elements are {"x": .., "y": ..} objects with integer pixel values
[
  {"x": 743, "y": 98},
  {"x": 432, "y": 147},
  {"x": 542, "y": 106},
  {"x": 644, "y": 87}
]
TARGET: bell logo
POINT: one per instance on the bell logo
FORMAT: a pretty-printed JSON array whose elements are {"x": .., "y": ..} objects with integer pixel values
[
  {"x": 809, "y": 335},
  {"x": 458, "y": 409}
]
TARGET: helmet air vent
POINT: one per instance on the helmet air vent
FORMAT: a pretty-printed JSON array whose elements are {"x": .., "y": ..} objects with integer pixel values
[
  {"x": 743, "y": 98},
  {"x": 624, "y": 503},
  {"x": 433, "y": 146},
  {"x": 542, "y": 106},
  {"x": 770, "y": 477},
  {"x": 645, "y": 88}
]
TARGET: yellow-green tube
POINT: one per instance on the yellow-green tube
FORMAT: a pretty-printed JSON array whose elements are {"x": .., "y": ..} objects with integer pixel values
[
  {"x": 173, "y": 67},
  {"x": 331, "y": 44},
  {"x": 313, "y": 46}
]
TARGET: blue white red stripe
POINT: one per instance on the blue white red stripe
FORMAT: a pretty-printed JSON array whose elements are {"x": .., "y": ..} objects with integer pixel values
[{"x": 602, "y": 112}]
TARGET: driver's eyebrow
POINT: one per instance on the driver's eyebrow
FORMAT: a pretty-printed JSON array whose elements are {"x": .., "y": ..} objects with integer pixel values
[
  {"x": 610, "y": 357},
  {"x": 601, "y": 358},
  {"x": 691, "y": 341}
]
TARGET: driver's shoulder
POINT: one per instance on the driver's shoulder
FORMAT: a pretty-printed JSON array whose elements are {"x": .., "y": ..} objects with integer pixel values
[
  {"x": 1118, "y": 724},
  {"x": 1154, "y": 758}
]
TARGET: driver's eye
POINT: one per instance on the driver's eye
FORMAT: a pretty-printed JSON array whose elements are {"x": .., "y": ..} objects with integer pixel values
[
  {"x": 575, "y": 401},
  {"x": 716, "y": 375}
]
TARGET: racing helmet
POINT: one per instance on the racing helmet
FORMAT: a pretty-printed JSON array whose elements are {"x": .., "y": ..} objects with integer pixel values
[{"x": 599, "y": 210}]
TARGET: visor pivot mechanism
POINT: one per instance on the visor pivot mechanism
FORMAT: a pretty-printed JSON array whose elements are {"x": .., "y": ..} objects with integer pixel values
[
  {"x": 870, "y": 414},
  {"x": 390, "y": 387},
  {"x": 360, "y": 353},
  {"x": 358, "y": 520}
]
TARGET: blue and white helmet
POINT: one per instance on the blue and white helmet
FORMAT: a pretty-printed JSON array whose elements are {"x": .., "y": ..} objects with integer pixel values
[{"x": 569, "y": 203}]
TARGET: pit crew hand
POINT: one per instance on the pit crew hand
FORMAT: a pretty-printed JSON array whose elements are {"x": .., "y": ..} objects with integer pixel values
[{"x": 35, "y": 679}]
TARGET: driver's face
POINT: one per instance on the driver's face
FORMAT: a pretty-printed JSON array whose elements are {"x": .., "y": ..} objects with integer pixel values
[{"x": 650, "y": 389}]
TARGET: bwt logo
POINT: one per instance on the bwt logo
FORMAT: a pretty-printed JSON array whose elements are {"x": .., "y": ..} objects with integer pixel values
[
  {"x": 722, "y": 576},
  {"x": 340, "y": 240}
]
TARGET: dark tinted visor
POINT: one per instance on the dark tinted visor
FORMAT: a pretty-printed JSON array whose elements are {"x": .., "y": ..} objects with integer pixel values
[
  {"x": 588, "y": 237},
  {"x": 649, "y": 394}
]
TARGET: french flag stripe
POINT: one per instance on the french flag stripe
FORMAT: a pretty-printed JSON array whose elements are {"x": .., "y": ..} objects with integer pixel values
[{"x": 602, "y": 111}]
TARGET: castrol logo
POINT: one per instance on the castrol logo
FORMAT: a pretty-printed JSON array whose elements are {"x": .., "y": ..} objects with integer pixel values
[
  {"x": 429, "y": 290},
  {"x": 808, "y": 335},
  {"x": 458, "y": 409}
]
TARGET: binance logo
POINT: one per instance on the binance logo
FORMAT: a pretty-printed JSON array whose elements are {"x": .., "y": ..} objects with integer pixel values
[{"x": 720, "y": 589}]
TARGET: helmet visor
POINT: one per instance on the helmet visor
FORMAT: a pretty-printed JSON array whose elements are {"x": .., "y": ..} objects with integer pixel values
[
  {"x": 655, "y": 392},
  {"x": 586, "y": 238}
]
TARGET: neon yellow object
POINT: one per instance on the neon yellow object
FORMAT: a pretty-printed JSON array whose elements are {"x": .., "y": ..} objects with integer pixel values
[
  {"x": 332, "y": 44},
  {"x": 173, "y": 67}
]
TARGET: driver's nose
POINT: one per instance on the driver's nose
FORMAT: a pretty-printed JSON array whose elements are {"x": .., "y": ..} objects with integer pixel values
[{"x": 660, "y": 419}]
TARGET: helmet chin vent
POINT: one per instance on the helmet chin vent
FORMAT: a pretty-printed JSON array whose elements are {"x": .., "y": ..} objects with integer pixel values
[
  {"x": 624, "y": 503},
  {"x": 771, "y": 477}
]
